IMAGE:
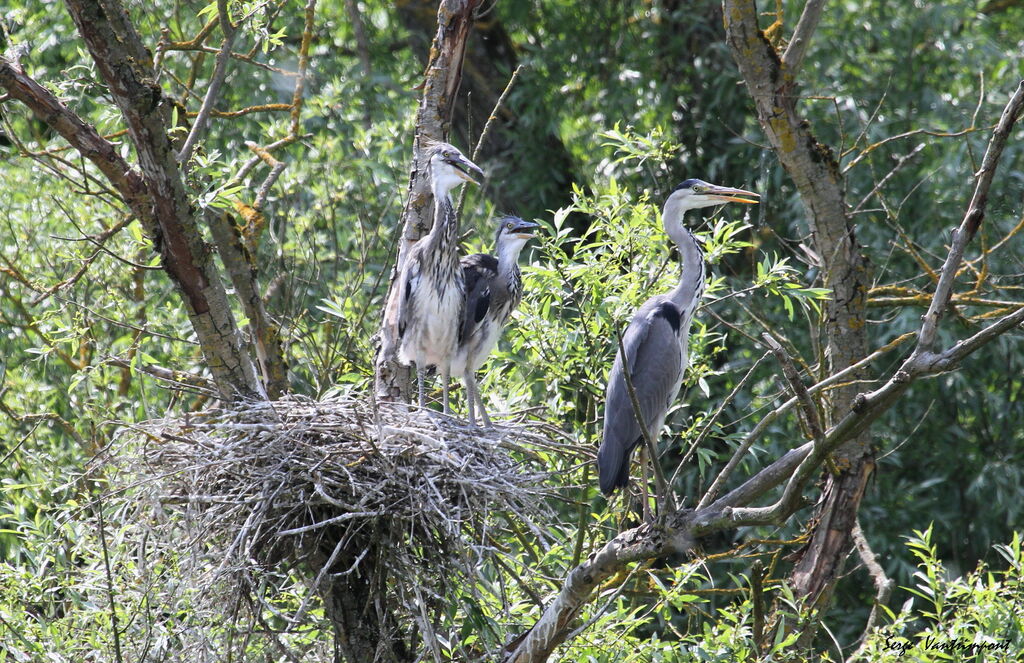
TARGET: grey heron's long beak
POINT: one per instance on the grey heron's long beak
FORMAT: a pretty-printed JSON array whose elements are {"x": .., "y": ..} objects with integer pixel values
[
  {"x": 467, "y": 169},
  {"x": 727, "y": 194},
  {"x": 524, "y": 229}
]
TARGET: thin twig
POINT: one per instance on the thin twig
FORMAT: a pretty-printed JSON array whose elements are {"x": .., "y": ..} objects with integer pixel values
[
  {"x": 810, "y": 410},
  {"x": 487, "y": 126},
  {"x": 220, "y": 71},
  {"x": 706, "y": 430},
  {"x": 971, "y": 222}
]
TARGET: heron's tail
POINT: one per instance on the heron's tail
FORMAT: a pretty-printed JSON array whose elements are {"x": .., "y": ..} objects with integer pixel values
[{"x": 612, "y": 467}]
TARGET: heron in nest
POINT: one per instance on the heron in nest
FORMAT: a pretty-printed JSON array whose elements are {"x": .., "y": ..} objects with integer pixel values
[
  {"x": 433, "y": 285},
  {"x": 494, "y": 288}
]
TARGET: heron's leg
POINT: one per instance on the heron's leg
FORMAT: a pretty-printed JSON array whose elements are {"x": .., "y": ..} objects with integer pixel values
[
  {"x": 446, "y": 377},
  {"x": 663, "y": 500},
  {"x": 643, "y": 484},
  {"x": 419, "y": 386},
  {"x": 474, "y": 398},
  {"x": 470, "y": 381},
  {"x": 483, "y": 410}
]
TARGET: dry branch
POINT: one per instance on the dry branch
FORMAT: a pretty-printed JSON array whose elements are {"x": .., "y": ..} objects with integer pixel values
[
  {"x": 789, "y": 370},
  {"x": 883, "y": 584},
  {"x": 972, "y": 219},
  {"x": 793, "y": 58},
  {"x": 126, "y": 180},
  {"x": 220, "y": 72}
]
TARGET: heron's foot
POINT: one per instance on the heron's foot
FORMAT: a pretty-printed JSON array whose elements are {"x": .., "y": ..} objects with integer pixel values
[{"x": 484, "y": 424}]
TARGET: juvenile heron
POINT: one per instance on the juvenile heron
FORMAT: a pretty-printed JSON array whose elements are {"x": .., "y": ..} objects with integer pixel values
[
  {"x": 434, "y": 289},
  {"x": 494, "y": 289},
  {"x": 654, "y": 347}
]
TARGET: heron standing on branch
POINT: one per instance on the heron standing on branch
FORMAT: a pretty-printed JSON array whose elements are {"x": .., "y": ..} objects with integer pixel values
[
  {"x": 494, "y": 289},
  {"x": 651, "y": 358},
  {"x": 433, "y": 287}
]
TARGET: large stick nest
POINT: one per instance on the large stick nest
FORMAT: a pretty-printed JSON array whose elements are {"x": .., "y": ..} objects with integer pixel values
[{"x": 342, "y": 486}]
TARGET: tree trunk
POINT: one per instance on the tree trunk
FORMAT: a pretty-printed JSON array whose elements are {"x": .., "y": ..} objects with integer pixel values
[
  {"x": 433, "y": 122},
  {"x": 365, "y": 630},
  {"x": 513, "y": 146},
  {"x": 771, "y": 80},
  {"x": 240, "y": 264}
]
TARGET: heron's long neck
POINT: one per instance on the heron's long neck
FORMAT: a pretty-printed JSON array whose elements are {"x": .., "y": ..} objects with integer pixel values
[
  {"x": 508, "y": 259},
  {"x": 508, "y": 265},
  {"x": 688, "y": 293},
  {"x": 445, "y": 232}
]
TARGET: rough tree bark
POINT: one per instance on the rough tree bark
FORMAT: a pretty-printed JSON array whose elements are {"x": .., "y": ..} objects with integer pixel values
[
  {"x": 433, "y": 122},
  {"x": 365, "y": 628},
  {"x": 771, "y": 81},
  {"x": 240, "y": 264},
  {"x": 154, "y": 191},
  {"x": 126, "y": 67}
]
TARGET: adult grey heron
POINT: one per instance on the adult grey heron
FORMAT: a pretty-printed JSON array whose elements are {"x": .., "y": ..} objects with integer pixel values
[
  {"x": 654, "y": 347},
  {"x": 434, "y": 291},
  {"x": 494, "y": 289}
]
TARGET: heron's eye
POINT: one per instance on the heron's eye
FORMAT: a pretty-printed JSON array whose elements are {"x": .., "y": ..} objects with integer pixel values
[
  {"x": 509, "y": 225},
  {"x": 698, "y": 188},
  {"x": 446, "y": 154}
]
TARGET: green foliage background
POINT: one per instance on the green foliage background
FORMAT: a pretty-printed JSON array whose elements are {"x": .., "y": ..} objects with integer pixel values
[{"x": 641, "y": 95}]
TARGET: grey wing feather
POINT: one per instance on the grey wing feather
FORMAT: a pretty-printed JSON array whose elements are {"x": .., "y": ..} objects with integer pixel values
[
  {"x": 478, "y": 270},
  {"x": 477, "y": 303},
  {"x": 655, "y": 361},
  {"x": 412, "y": 271}
]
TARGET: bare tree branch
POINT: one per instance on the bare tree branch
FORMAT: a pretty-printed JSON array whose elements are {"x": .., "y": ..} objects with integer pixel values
[
  {"x": 972, "y": 220},
  {"x": 241, "y": 268},
  {"x": 810, "y": 410},
  {"x": 883, "y": 585},
  {"x": 126, "y": 179},
  {"x": 220, "y": 72},
  {"x": 815, "y": 172},
  {"x": 793, "y": 58},
  {"x": 263, "y": 153},
  {"x": 706, "y": 430},
  {"x": 179, "y": 379}
]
